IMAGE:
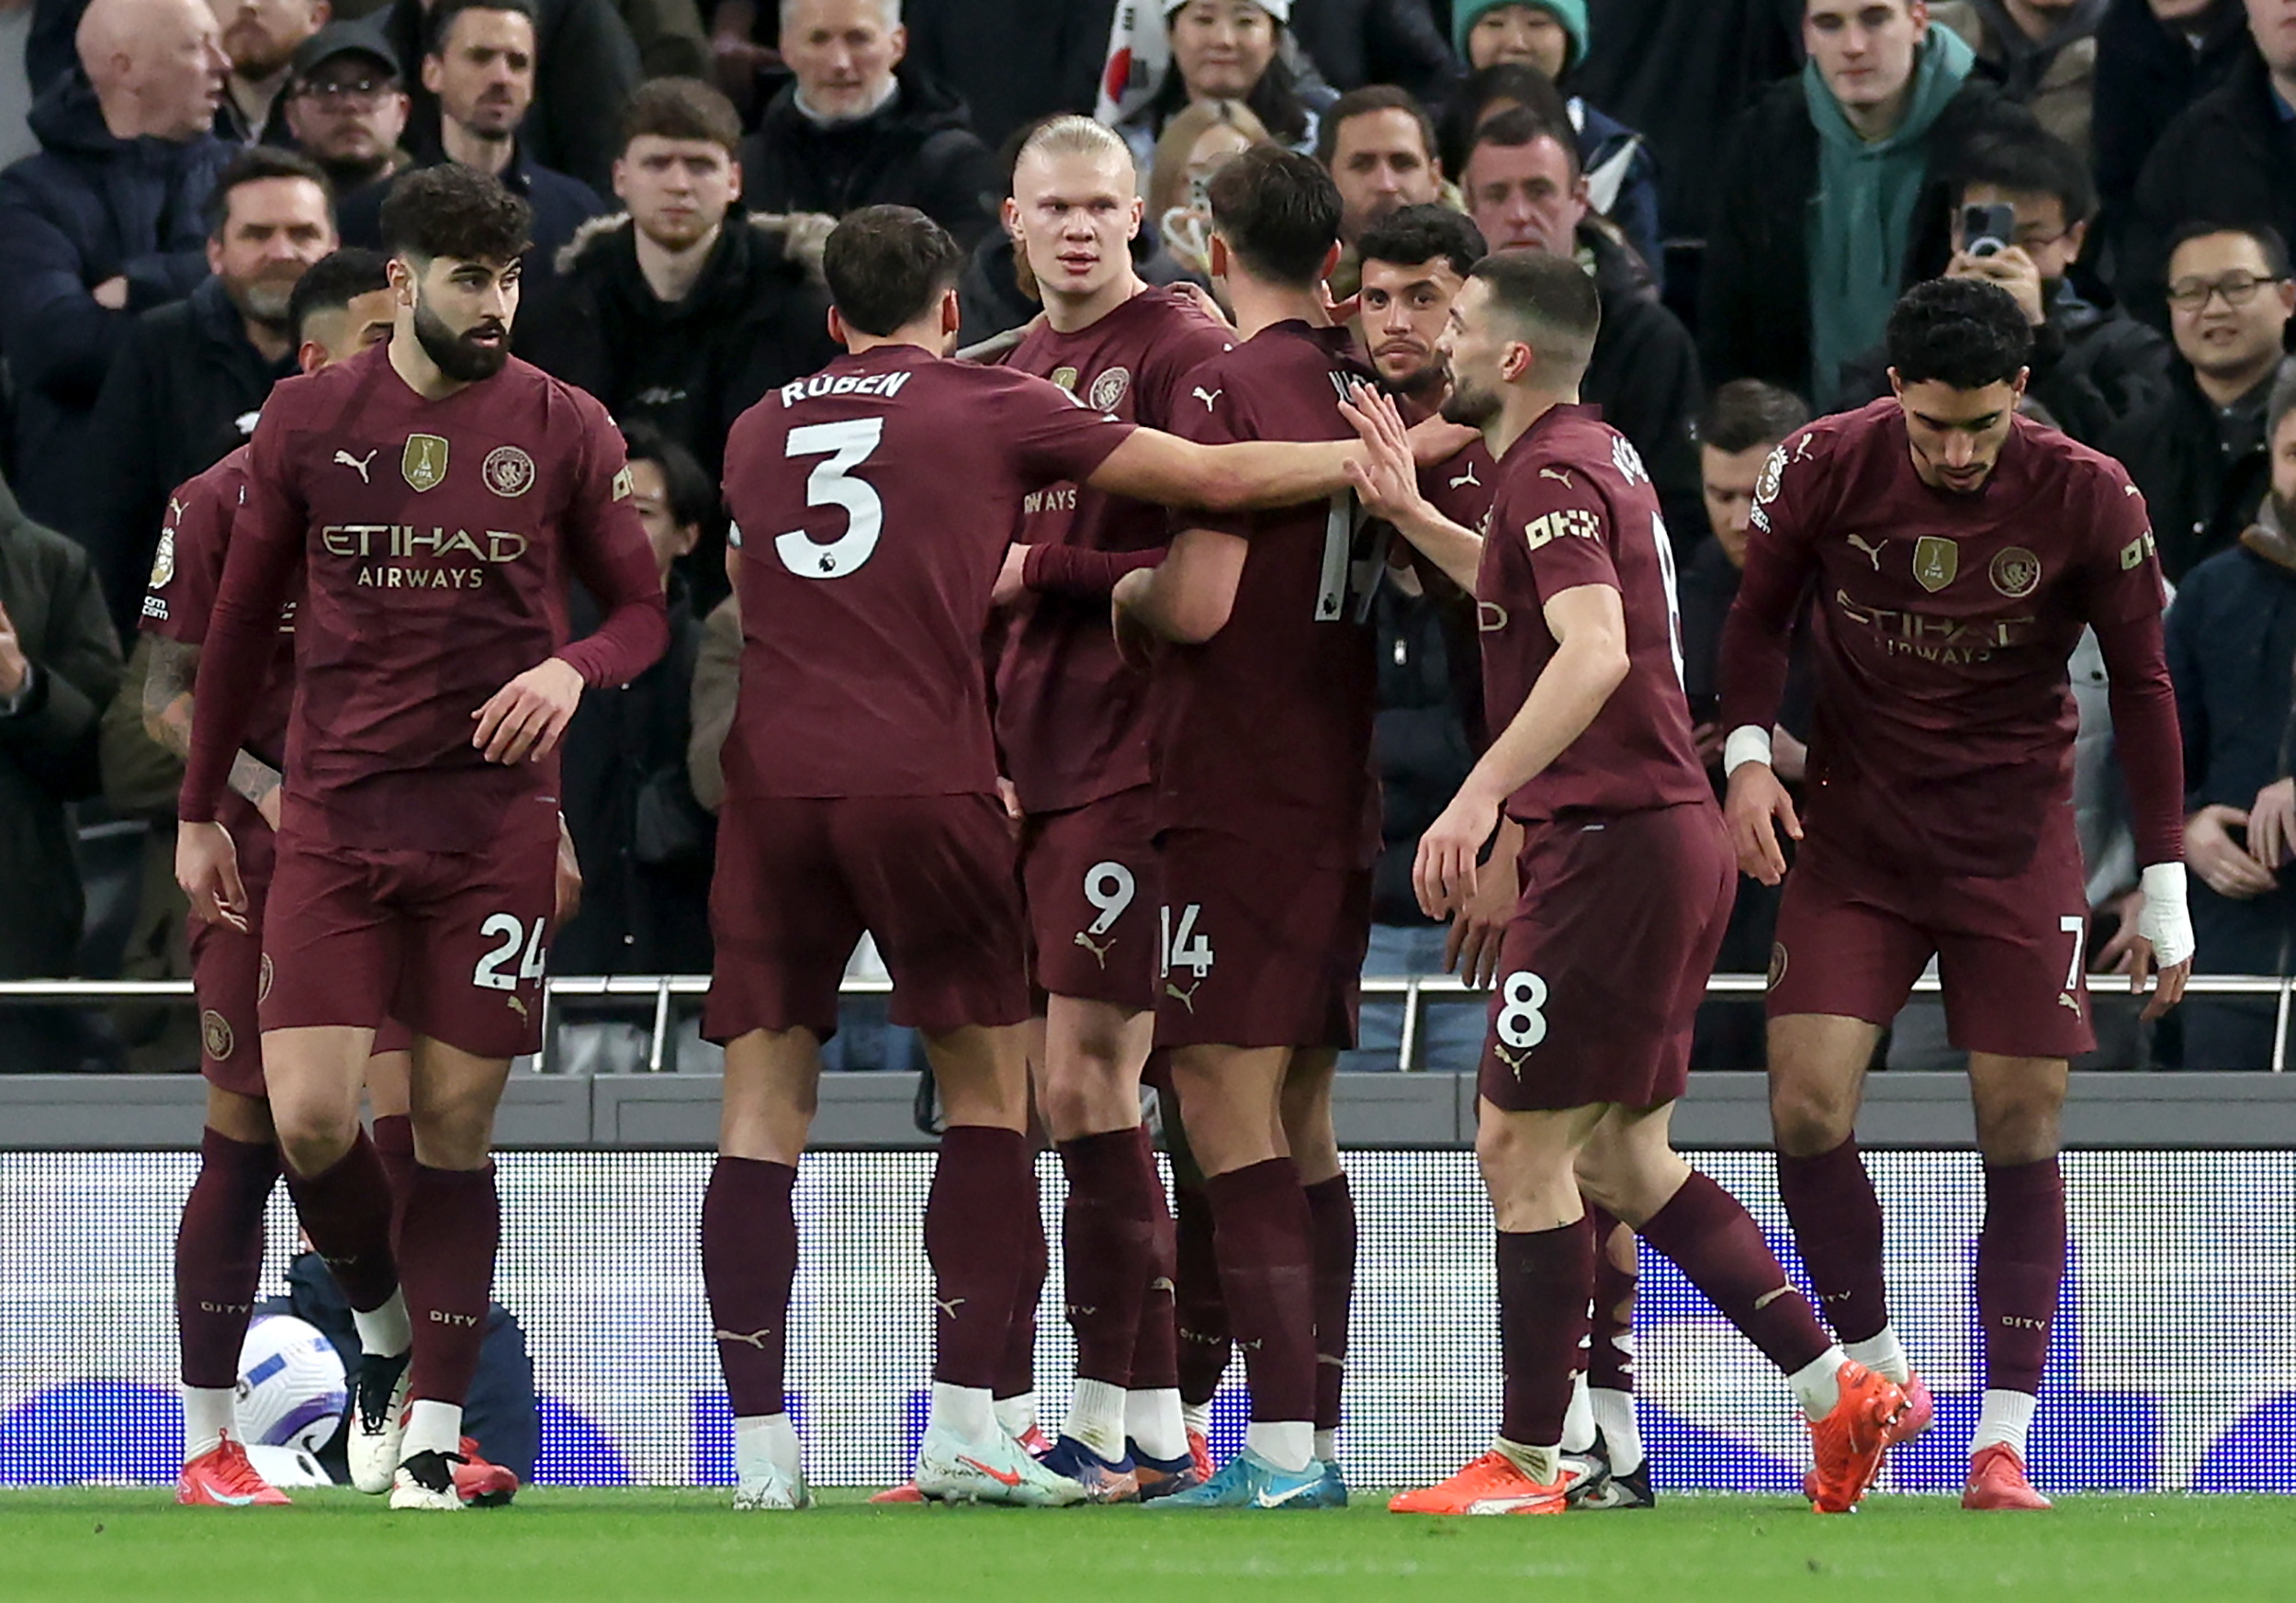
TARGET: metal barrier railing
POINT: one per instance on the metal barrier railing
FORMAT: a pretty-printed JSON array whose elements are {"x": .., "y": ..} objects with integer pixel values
[{"x": 1415, "y": 990}]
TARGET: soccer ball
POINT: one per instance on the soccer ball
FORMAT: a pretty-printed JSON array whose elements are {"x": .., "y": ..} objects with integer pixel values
[{"x": 291, "y": 1390}]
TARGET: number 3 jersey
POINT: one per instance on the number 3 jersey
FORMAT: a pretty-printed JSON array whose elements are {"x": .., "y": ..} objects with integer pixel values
[
  {"x": 1263, "y": 731},
  {"x": 1575, "y": 507},
  {"x": 875, "y": 502}
]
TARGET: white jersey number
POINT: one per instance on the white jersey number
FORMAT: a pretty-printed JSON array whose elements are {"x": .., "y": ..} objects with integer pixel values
[
  {"x": 847, "y": 445},
  {"x": 1352, "y": 565},
  {"x": 1110, "y": 887},
  {"x": 1522, "y": 1020},
  {"x": 1186, "y": 946},
  {"x": 505, "y": 927},
  {"x": 1673, "y": 599}
]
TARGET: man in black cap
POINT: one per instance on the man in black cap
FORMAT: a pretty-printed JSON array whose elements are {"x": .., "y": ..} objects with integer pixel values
[{"x": 347, "y": 105}]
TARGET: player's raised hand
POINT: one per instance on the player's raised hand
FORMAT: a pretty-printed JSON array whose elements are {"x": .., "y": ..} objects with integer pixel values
[
  {"x": 206, "y": 867},
  {"x": 2272, "y": 824},
  {"x": 523, "y": 720},
  {"x": 1444, "y": 876},
  {"x": 1758, "y": 805},
  {"x": 1385, "y": 478},
  {"x": 1434, "y": 441},
  {"x": 1010, "y": 578},
  {"x": 1471, "y": 949}
]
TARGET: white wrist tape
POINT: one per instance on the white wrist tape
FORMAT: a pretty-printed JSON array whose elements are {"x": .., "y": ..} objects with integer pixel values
[
  {"x": 1748, "y": 743},
  {"x": 2166, "y": 920}
]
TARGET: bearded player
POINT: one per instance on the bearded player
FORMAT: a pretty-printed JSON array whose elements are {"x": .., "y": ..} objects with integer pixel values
[
  {"x": 435, "y": 498},
  {"x": 1626, "y": 887},
  {"x": 1957, "y": 550},
  {"x": 1072, "y": 725},
  {"x": 879, "y": 497}
]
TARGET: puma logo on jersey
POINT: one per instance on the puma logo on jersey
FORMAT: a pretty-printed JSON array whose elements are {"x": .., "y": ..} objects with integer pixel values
[
  {"x": 754, "y": 1338},
  {"x": 518, "y": 1005},
  {"x": 1873, "y": 553},
  {"x": 1162, "y": 1284},
  {"x": 949, "y": 1306},
  {"x": 1467, "y": 478},
  {"x": 1187, "y": 998},
  {"x": 2065, "y": 999},
  {"x": 1560, "y": 474},
  {"x": 1514, "y": 1065},
  {"x": 345, "y": 460},
  {"x": 1099, "y": 950},
  {"x": 1209, "y": 397}
]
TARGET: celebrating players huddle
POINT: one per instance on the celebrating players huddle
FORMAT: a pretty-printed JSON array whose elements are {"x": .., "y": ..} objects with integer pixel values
[{"x": 1151, "y": 857}]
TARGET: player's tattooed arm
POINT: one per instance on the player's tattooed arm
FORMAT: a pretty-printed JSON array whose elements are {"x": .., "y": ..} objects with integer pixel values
[
  {"x": 1386, "y": 481},
  {"x": 173, "y": 667}
]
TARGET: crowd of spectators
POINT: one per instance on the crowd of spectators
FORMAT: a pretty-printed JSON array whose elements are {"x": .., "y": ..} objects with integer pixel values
[{"x": 1749, "y": 183}]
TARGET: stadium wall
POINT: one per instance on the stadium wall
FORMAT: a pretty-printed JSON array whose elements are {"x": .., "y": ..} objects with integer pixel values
[{"x": 2173, "y": 1360}]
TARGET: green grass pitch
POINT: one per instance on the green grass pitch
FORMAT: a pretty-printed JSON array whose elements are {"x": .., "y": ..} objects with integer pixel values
[{"x": 686, "y": 1546}]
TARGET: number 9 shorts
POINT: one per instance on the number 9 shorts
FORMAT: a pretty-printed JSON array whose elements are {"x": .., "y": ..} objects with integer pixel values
[
  {"x": 1090, "y": 874},
  {"x": 1603, "y": 966},
  {"x": 450, "y": 943}
]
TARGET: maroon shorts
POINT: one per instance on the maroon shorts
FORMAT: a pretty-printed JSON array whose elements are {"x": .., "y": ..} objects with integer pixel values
[
  {"x": 931, "y": 877},
  {"x": 2010, "y": 951},
  {"x": 1259, "y": 949},
  {"x": 1090, "y": 874},
  {"x": 1603, "y": 966},
  {"x": 450, "y": 943}
]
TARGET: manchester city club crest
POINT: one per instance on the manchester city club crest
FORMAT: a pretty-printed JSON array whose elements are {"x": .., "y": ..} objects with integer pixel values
[
  {"x": 507, "y": 470},
  {"x": 263, "y": 980},
  {"x": 164, "y": 561},
  {"x": 1777, "y": 963},
  {"x": 1109, "y": 388},
  {"x": 2015, "y": 572},
  {"x": 215, "y": 1034},
  {"x": 423, "y": 462},
  {"x": 1773, "y": 470},
  {"x": 1935, "y": 561}
]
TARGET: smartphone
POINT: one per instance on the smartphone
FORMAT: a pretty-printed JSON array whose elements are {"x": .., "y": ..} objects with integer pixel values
[{"x": 1987, "y": 231}]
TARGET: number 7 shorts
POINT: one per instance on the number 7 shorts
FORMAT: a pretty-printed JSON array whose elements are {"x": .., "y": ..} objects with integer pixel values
[
  {"x": 1261, "y": 948},
  {"x": 450, "y": 943},
  {"x": 1603, "y": 966}
]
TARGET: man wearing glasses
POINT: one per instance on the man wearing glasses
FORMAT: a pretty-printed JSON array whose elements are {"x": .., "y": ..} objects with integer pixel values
[
  {"x": 346, "y": 108},
  {"x": 2197, "y": 451}
]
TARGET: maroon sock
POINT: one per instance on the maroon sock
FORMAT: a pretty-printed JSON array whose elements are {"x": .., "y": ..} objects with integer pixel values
[
  {"x": 1611, "y": 1344},
  {"x": 1107, "y": 1233},
  {"x": 748, "y": 1259},
  {"x": 1016, "y": 1369},
  {"x": 394, "y": 1143},
  {"x": 454, "y": 1224},
  {"x": 1155, "y": 1364},
  {"x": 345, "y": 1211},
  {"x": 978, "y": 1226},
  {"x": 2020, "y": 1260},
  {"x": 1546, "y": 1281},
  {"x": 219, "y": 1255},
  {"x": 1262, "y": 1236},
  {"x": 1332, "y": 1227},
  {"x": 1714, "y": 1241},
  {"x": 1837, "y": 1223},
  {"x": 1199, "y": 1309}
]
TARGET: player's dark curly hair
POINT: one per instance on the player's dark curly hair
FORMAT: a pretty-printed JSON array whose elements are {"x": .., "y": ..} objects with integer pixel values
[
  {"x": 1963, "y": 333},
  {"x": 333, "y": 281},
  {"x": 887, "y": 265},
  {"x": 1278, "y": 211},
  {"x": 1413, "y": 234},
  {"x": 457, "y": 211}
]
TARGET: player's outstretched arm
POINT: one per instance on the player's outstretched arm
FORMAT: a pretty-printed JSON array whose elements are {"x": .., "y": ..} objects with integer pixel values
[
  {"x": 1154, "y": 466},
  {"x": 1386, "y": 480},
  {"x": 1189, "y": 595},
  {"x": 1589, "y": 624}
]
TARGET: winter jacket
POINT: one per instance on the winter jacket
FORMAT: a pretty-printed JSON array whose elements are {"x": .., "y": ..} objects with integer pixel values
[
  {"x": 2147, "y": 74},
  {"x": 756, "y": 317},
  {"x": 561, "y": 205},
  {"x": 183, "y": 394},
  {"x": 2229, "y": 158},
  {"x": 89, "y": 208},
  {"x": 2093, "y": 367},
  {"x": 1423, "y": 743},
  {"x": 1679, "y": 71},
  {"x": 2055, "y": 78},
  {"x": 1012, "y": 61},
  {"x": 585, "y": 66},
  {"x": 1355, "y": 43},
  {"x": 1754, "y": 306},
  {"x": 1644, "y": 375},
  {"x": 645, "y": 845},
  {"x": 1622, "y": 178},
  {"x": 49, "y": 745},
  {"x": 2202, "y": 473},
  {"x": 919, "y": 149}
]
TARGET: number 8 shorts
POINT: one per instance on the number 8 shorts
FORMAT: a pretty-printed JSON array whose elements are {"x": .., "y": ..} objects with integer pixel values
[
  {"x": 450, "y": 943},
  {"x": 1601, "y": 968},
  {"x": 1260, "y": 949}
]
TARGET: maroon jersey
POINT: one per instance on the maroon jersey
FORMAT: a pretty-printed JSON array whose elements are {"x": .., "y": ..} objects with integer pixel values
[
  {"x": 1461, "y": 487},
  {"x": 1071, "y": 718},
  {"x": 434, "y": 541},
  {"x": 875, "y": 500},
  {"x": 1575, "y": 507},
  {"x": 1265, "y": 730},
  {"x": 1943, "y": 722}
]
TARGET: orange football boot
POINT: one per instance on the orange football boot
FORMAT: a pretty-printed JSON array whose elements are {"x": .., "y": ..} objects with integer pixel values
[
  {"x": 221, "y": 1477},
  {"x": 1997, "y": 1481},
  {"x": 1493, "y": 1483},
  {"x": 1848, "y": 1442}
]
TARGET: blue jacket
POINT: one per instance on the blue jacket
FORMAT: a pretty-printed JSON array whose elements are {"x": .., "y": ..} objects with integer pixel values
[
  {"x": 2232, "y": 652},
  {"x": 88, "y": 207}
]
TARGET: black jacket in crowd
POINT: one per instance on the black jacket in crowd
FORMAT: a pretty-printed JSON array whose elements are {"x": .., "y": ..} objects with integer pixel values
[
  {"x": 585, "y": 66},
  {"x": 183, "y": 394},
  {"x": 1644, "y": 375},
  {"x": 1753, "y": 311},
  {"x": 1013, "y": 60},
  {"x": 2146, "y": 74},
  {"x": 756, "y": 317},
  {"x": 645, "y": 845},
  {"x": 916, "y": 150},
  {"x": 2204, "y": 473},
  {"x": 561, "y": 203},
  {"x": 1423, "y": 740},
  {"x": 1355, "y": 43},
  {"x": 2228, "y": 158}
]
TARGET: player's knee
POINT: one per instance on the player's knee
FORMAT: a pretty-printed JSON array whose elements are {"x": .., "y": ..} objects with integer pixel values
[
  {"x": 1809, "y": 1119},
  {"x": 457, "y": 1134},
  {"x": 2022, "y": 1129},
  {"x": 313, "y": 1140}
]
